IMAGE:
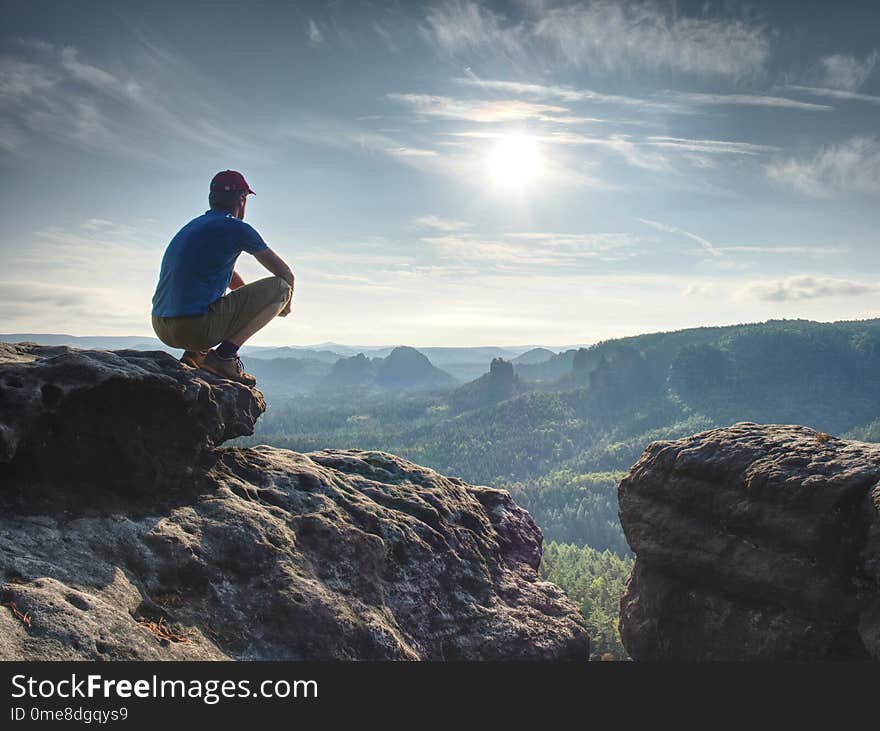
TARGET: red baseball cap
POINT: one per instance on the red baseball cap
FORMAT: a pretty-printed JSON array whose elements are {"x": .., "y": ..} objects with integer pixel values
[{"x": 230, "y": 180}]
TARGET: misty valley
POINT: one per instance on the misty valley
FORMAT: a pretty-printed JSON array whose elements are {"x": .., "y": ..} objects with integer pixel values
[{"x": 560, "y": 429}]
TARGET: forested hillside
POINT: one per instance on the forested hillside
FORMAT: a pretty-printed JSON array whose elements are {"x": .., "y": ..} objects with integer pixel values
[{"x": 561, "y": 445}]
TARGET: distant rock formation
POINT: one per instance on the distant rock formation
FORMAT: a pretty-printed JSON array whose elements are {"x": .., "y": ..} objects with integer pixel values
[
  {"x": 403, "y": 368},
  {"x": 533, "y": 356},
  {"x": 128, "y": 533},
  {"x": 408, "y": 368},
  {"x": 499, "y": 384},
  {"x": 753, "y": 543}
]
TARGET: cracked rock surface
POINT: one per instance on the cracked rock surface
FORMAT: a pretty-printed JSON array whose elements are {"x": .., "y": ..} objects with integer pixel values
[
  {"x": 128, "y": 532},
  {"x": 753, "y": 542}
]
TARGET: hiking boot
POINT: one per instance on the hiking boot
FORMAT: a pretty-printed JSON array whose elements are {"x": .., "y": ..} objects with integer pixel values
[
  {"x": 230, "y": 368},
  {"x": 193, "y": 358}
]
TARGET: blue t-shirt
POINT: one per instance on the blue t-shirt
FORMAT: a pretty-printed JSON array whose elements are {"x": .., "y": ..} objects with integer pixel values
[{"x": 198, "y": 263}]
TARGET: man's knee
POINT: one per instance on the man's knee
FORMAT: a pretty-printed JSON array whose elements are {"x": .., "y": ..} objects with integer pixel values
[
  {"x": 267, "y": 292},
  {"x": 285, "y": 291}
]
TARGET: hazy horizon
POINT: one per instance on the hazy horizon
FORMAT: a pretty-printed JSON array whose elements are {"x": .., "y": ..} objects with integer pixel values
[
  {"x": 487, "y": 344},
  {"x": 449, "y": 172}
]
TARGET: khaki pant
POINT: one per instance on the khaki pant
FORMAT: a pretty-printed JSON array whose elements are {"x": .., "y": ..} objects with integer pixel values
[{"x": 225, "y": 317}]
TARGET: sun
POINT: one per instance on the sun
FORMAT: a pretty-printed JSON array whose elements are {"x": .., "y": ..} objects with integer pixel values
[{"x": 514, "y": 162}]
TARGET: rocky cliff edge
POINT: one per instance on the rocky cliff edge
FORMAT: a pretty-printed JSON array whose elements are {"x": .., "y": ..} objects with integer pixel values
[
  {"x": 128, "y": 532},
  {"x": 753, "y": 542}
]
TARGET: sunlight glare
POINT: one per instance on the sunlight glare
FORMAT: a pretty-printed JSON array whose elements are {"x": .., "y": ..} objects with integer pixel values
[{"x": 514, "y": 162}]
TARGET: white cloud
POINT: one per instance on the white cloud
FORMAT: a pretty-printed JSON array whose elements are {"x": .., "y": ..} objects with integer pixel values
[
  {"x": 385, "y": 34},
  {"x": 20, "y": 292},
  {"x": 836, "y": 94},
  {"x": 563, "y": 93},
  {"x": 441, "y": 224},
  {"x": 722, "y": 147},
  {"x": 805, "y": 287},
  {"x": 850, "y": 166},
  {"x": 405, "y": 152},
  {"x": 591, "y": 244},
  {"x": 840, "y": 76},
  {"x": 546, "y": 249},
  {"x": 699, "y": 289},
  {"x": 748, "y": 100},
  {"x": 458, "y": 25},
  {"x": 620, "y": 145},
  {"x": 817, "y": 252},
  {"x": 465, "y": 162},
  {"x": 331, "y": 133},
  {"x": 316, "y": 38},
  {"x": 611, "y": 35},
  {"x": 77, "y": 252},
  {"x": 603, "y": 35},
  {"x": 58, "y": 96},
  {"x": 705, "y": 243},
  {"x": 474, "y": 110},
  {"x": 847, "y": 72},
  {"x": 34, "y": 305},
  {"x": 634, "y": 154},
  {"x": 639, "y": 152}
]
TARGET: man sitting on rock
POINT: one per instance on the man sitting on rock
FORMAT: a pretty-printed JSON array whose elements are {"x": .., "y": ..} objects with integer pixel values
[{"x": 190, "y": 309}]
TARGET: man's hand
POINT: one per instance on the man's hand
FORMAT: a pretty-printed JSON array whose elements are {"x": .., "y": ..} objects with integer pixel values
[
  {"x": 236, "y": 281},
  {"x": 285, "y": 311}
]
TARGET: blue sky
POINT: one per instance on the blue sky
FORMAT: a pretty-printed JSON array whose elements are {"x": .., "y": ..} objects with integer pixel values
[{"x": 449, "y": 173}]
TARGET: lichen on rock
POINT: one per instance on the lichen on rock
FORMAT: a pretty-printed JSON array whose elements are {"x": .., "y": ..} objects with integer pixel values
[
  {"x": 753, "y": 542},
  {"x": 128, "y": 532}
]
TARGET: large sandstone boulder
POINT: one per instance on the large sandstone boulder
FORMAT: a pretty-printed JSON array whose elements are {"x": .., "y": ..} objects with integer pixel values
[
  {"x": 753, "y": 543},
  {"x": 127, "y": 533}
]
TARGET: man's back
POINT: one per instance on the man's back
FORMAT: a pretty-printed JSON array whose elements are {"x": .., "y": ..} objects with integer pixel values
[{"x": 199, "y": 261}]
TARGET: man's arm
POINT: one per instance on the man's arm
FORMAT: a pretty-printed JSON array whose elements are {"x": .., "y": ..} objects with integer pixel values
[{"x": 275, "y": 264}]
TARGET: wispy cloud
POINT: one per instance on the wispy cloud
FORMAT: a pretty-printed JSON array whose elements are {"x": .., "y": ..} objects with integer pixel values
[
  {"x": 817, "y": 252},
  {"x": 441, "y": 224},
  {"x": 840, "y": 76},
  {"x": 633, "y": 153},
  {"x": 836, "y": 94},
  {"x": 719, "y": 147},
  {"x": 60, "y": 282},
  {"x": 34, "y": 305},
  {"x": 850, "y": 166},
  {"x": 19, "y": 292},
  {"x": 475, "y": 110},
  {"x": 386, "y": 35},
  {"x": 640, "y": 152},
  {"x": 705, "y": 243},
  {"x": 699, "y": 289},
  {"x": 341, "y": 135},
  {"x": 458, "y": 25},
  {"x": 846, "y": 72},
  {"x": 563, "y": 93},
  {"x": 406, "y": 152},
  {"x": 591, "y": 244},
  {"x": 547, "y": 249},
  {"x": 755, "y": 100},
  {"x": 316, "y": 37},
  {"x": 76, "y": 250},
  {"x": 618, "y": 35},
  {"x": 620, "y": 145},
  {"x": 805, "y": 287},
  {"x": 603, "y": 35},
  {"x": 59, "y": 96}
]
